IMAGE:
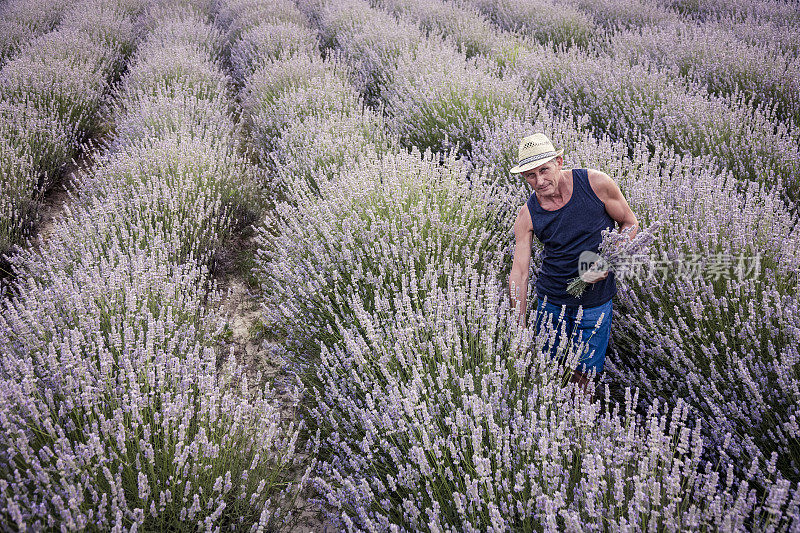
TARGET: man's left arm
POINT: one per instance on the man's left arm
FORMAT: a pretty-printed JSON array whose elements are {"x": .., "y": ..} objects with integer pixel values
[{"x": 616, "y": 206}]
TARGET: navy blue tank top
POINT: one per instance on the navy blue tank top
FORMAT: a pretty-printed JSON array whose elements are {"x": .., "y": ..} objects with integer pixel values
[{"x": 565, "y": 233}]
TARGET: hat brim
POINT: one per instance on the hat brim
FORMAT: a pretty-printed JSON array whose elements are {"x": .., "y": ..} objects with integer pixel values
[{"x": 519, "y": 169}]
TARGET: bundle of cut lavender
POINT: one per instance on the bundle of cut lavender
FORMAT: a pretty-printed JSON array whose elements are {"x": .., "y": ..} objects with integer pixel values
[{"x": 619, "y": 253}]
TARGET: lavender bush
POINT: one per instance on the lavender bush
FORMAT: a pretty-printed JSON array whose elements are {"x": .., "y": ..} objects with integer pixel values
[
  {"x": 183, "y": 28},
  {"x": 541, "y": 20},
  {"x": 35, "y": 146},
  {"x": 469, "y": 30},
  {"x": 18, "y": 194},
  {"x": 365, "y": 214},
  {"x": 160, "y": 96},
  {"x": 714, "y": 57},
  {"x": 117, "y": 411},
  {"x": 370, "y": 41},
  {"x": 275, "y": 78},
  {"x": 24, "y": 20},
  {"x": 162, "y": 184},
  {"x": 39, "y": 137},
  {"x": 339, "y": 142},
  {"x": 61, "y": 71},
  {"x": 259, "y": 32},
  {"x": 269, "y": 41},
  {"x": 161, "y": 74},
  {"x": 294, "y": 94},
  {"x": 107, "y": 22},
  {"x": 701, "y": 127},
  {"x": 439, "y": 100},
  {"x": 462, "y": 26},
  {"x": 752, "y": 354},
  {"x": 616, "y": 15},
  {"x": 236, "y": 16},
  {"x": 631, "y": 101},
  {"x": 163, "y": 115}
]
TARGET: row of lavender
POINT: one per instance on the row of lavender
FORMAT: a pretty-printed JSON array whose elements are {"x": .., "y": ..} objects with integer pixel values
[
  {"x": 726, "y": 56},
  {"x": 117, "y": 409},
  {"x": 50, "y": 98},
  {"x": 706, "y": 223},
  {"x": 768, "y": 23},
  {"x": 779, "y": 12},
  {"x": 23, "y": 20},
  {"x": 301, "y": 120},
  {"x": 626, "y": 89},
  {"x": 302, "y": 124},
  {"x": 388, "y": 283},
  {"x": 631, "y": 95},
  {"x": 710, "y": 53}
]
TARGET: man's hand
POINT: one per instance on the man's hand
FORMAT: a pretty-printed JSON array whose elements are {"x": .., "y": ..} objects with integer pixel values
[{"x": 590, "y": 276}]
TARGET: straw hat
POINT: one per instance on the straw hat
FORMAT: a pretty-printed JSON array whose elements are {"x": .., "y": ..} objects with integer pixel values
[{"x": 535, "y": 150}]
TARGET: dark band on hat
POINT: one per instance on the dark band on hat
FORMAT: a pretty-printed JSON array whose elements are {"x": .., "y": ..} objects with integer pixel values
[{"x": 533, "y": 158}]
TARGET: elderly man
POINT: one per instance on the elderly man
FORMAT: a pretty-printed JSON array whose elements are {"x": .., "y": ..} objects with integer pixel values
[{"x": 567, "y": 212}]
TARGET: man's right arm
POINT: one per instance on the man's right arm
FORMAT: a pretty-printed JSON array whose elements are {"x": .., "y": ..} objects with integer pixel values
[{"x": 518, "y": 280}]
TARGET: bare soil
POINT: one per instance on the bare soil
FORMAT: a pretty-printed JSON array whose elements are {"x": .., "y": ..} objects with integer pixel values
[
  {"x": 247, "y": 342},
  {"x": 57, "y": 196},
  {"x": 52, "y": 205}
]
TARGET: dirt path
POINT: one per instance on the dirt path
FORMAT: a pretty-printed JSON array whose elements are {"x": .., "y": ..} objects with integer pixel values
[
  {"x": 249, "y": 344},
  {"x": 50, "y": 206}
]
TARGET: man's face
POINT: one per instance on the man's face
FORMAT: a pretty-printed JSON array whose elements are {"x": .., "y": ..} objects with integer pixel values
[{"x": 545, "y": 178}]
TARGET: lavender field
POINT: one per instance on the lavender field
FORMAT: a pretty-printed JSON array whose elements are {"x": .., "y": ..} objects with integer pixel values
[{"x": 274, "y": 296}]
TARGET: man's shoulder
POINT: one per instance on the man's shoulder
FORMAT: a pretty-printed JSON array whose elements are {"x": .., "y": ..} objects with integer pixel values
[
  {"x": 523, "y": 220},
  {"x": 600, "y": 182},
  {"x": 523, "y": 212},
  {"x": 598, "y": 175}
]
